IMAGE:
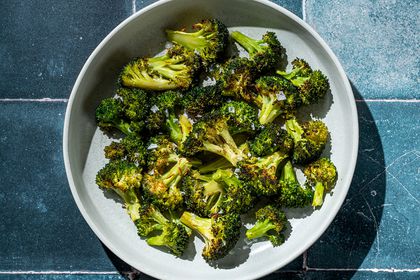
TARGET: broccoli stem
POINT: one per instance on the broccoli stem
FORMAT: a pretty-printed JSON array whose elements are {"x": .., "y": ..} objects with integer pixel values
[
  {"x": 220, "y": 163},
  {"x": 294, "y": 129},
  {"x": 269, "y": 112},
  {"x": 298, "y": 81},
  {"x": 259, "y": 229},
  {"x": 249, "y": 44},
  {"x": 202, "y": 225},
  {"x": 131, "y": 203},
  {"x": 174, "y": 128},
  {"x": 174, "y": 175},
  {"x": 288, "y": 173},
  {"x": 271, "y": 161},
  {"x": 318, "y": 195},
  {"x": 188, "y": 40}
]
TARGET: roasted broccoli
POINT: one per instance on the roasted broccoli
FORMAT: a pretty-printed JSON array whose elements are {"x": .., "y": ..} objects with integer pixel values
[
  {"x": 210, "y": 39},
  {"x": 220, "y": 163},
  {"x": 266, "y": 53},
  {"x": 200, "y": 100},
  {"x": 236, "y": 79},
  {"x": 292, "y": 194},
  {"x": 271, "y": 223},
  {"x": 312, "y": 85},
  {"x": 172, "y": 235},
  {"x": 176, "y": 69},
  {"x": 163, "y": 189},
  {"x": 271, "y": 139},
  {"x": 260, "y": 174},
  {"x": 310, "y": 139},
  {"x": 242, "y": 117},
  {"x": 124, "y": 178},
  {"x": 130, "y": 148},
  {"x": 275, "y": 97},
  {"x": 212, "y": 134},
  {"x": 220, "y": 233},
  {"x": 110, "y": 114},
  {"x": 322, "y": 175},
  {"x": 163, "y": 106}
]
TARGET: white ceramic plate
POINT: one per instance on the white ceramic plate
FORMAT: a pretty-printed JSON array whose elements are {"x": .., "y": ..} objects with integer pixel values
[{"x": 143, "y": 34}]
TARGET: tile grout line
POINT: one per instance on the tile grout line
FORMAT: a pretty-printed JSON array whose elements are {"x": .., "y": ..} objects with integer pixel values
[
  {"x": 305, "y": 261},
  {"x": 133, "y": 6},
  {"x": 304, "y": 10},
  {"x": 391, "y": 100},
  {"x": 65, "y": 100},
  {"x": 392, "y": 270}
]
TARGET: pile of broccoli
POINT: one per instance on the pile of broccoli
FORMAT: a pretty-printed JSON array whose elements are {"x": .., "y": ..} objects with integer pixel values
[{"x": 205, "y": 137}]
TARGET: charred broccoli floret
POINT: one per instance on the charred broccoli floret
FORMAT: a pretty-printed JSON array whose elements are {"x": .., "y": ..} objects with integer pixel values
[
  {"x": 310, "y": 139},
  {"x": 172, "y": 235},
  {"x": 135, "y": 102},
  {"x": 272, "y": 139},
  {"x": 266, "y": 53},
  {"x": 261, "y": 173},
  {"x": 176, "y": 69},
  {"x": 236, "y": 79},
  {"x": 130, "y": 148},
  {"x": 163, "y": 189},
  {"x": 312, "y": 85},
  {"x": 210, "y": 39},
  {"x": 124, "y": 178},
  {"x": 200, "y": 100},
  {"x": 212, "y": 134},
  {"x": 110, "y": 114},
  {"x": 322, "y": 175},
  {"x": 271, "y": 223},
  {"x": 162, "y": 107},
  {"x": 242, "y": 117},
  {"x": 162, "y": 153},
  {"x": 292, "y": 194},
  {"x": 275, "y": 97},
  {"x": 220, "y": 233}
]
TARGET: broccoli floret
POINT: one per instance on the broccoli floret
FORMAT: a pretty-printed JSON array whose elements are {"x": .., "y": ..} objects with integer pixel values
[
  {"x": 266, "y": 53},
  {"x": 272, "y": 139},
  {"x": 212, "y": 134},
  {"x": 172, "y": 235},
  {"x": 130, "y": 148},
  {"x": 210, "y": 39},
  {"x": 220, "y": 233},
  {"x": 175, "y": 69},
  {"x": 220, "y": 163},
  {"x": 110, "y": 115},
  {"x": 271, "y": 223},
  {"x": 322, "y": 175},
  {"x": 135, "y": 102},
  {"x": 162, "y": 106},
  {"x": 124, "y": 178},
  {"x": 312, "y": 85},
  {"x": 243, "y": 117},
  {"x": 200, "y": 100},
  {"x": 275, "y": 97},
  {"x": 310, "y": 139},
  {"x": 162, "y": 153},
  {"x": 261, "y": 173},
  {"x": 162, "y": 189},
  {"x": 236, "y": 79},
  {"x": 292, "y": 194}
]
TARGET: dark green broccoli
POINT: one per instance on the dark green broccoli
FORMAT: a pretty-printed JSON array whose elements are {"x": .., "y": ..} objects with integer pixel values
[
  {"x": 220, "y": 163},
  {"x": 322, "y": 175},
  {"x": 275, "y": 97},
  {"x": 271, "y": 139},
  {"x": 220, "y": 233},
  {"x": 162, "y": 106},
  {"x": 176, "y": 69},
  {"x": 292, "y": 194},
  {"x": 200, "y": 100},
  {"x": 236, "y": 78},
  {"x": 271, "y": 223},
  {"x": 242, "y": 117},
  {"x": 130, "y": 148},
  {"x": 135, "y": 102},
  {"x": 110, "y": 115},
  {"x": 218, "y": 193},
  {"x": 162, "y": 153},
  {"x": 261, "y": 173},
  {"x": 210, "y": 39},
  {"x": 310, "y": 139},
  {"x": 266, "y": 53},
  {"x": 163, "y": 190},
  {"x": 312, "y": 85},
  {"x": 211, "y": 134},
  {"x": 124, "y": 178},
  {"x": 172, "y": 235}
]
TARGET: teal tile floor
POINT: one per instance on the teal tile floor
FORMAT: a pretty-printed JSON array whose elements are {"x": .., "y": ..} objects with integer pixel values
[{"x": 376, "y": 234}]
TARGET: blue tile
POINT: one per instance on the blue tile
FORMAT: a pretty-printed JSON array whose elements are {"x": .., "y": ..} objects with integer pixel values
[
  {"x": 40, "y": 226},
  {"x": 45, "y": 43},
  {"x": 360, "y": 275},
  {"x": 376, "y": 41},
  {"x": 377, "y": 226}
]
